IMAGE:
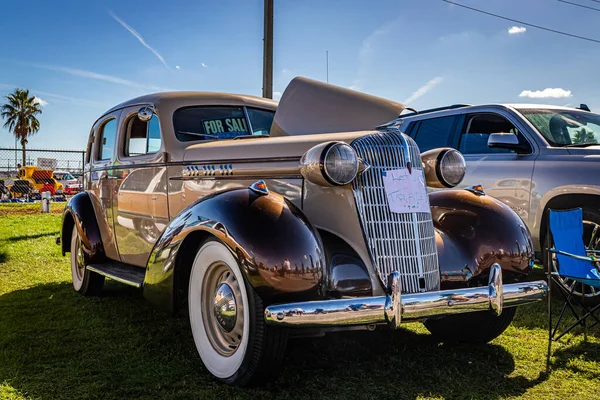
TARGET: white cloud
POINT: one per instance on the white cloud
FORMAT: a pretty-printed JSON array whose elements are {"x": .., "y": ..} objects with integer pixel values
[
  {"x": 515, "y": 30},
  {"x": 354, "y": 87},
  {"x": 204, "y": 65},
  {"x": 39, "y": 101},
  {"x": 62, "y": 98},
  {"x": 424, "y": 89},
  {"x": 139, "y": 38},
  {"x": 276, "y": 95},
  {"x": 548, "y": 93},
  {"x": 94, "y": 75},
  {"x": 177, "y": 67}
]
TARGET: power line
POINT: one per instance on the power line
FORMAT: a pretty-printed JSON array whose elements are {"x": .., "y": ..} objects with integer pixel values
[
  {"x": 523, "y": 23},
  {"x": 580, "y": 5}
]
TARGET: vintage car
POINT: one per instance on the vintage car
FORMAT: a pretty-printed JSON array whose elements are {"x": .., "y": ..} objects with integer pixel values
[
  {"x": 298, "y": 218},
  {"x": 40, "y": 180},
  {"x": 70, "y": 183}
]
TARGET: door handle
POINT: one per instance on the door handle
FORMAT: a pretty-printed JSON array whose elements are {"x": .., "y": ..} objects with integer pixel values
[
  {"x": 110, "y": 177},
  {"x": 154, "y": 197}
]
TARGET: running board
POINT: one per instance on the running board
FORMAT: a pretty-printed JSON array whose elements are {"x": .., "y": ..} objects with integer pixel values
[{"x": 120, "y": 272}]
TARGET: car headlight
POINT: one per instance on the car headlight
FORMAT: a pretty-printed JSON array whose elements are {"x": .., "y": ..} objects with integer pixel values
[
  {"x": 330, "y": 164},
  {"x": 444, "y": 168},
  {"x": 452, "y": 167}
]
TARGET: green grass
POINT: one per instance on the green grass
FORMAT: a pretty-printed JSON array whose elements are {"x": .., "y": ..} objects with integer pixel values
[{"x": 56, "y": 344}]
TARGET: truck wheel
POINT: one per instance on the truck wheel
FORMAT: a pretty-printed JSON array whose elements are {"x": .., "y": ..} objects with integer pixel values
[
  {"x": 591, "y": 239},
  {"x": 478, "y": 327},
  {"x": 227, "y": 320},
  {"x": 86, "y": 282}
]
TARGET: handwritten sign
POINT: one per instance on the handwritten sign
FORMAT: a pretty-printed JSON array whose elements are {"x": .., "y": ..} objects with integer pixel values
[{"x": 406, "y": 192}]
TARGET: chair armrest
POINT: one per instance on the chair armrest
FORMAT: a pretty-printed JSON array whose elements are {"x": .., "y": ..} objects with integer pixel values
[{"x": 575, "y": 256}]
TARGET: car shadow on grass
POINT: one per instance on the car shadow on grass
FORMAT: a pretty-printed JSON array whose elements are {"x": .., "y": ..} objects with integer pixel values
[
  {"x": 57, "y": 344},
  {"x": 29, "y": 237}
]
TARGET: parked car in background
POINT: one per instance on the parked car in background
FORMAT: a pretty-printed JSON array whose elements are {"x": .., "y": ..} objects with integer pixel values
[
  {"x": 300, "y": 216},
  {"x": 71, "y": 184},
  {"x": 39, "y": 180},
  {"x": 532, "y": 157}
]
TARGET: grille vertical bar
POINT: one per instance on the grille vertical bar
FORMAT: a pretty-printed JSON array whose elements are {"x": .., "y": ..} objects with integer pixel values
[{"x": 397, "y": 242}]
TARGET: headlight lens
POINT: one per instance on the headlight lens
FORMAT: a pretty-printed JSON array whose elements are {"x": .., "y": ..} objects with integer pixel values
[
  {"x": 340, "y": 164},
  {"x": 452, "y": 168}
]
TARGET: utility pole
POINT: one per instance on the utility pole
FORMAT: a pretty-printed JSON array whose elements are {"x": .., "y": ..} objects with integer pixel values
[{"x": 268, "y": 51}]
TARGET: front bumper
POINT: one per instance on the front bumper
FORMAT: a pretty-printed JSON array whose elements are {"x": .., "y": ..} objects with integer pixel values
[{"x": 393, "y": 308}]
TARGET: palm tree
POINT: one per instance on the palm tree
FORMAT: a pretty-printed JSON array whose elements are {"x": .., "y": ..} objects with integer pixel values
[{"x": 19, "y": 113}]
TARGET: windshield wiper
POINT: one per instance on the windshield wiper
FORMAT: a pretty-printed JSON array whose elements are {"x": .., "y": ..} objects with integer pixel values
[
  {"x": 204, "y": 135},
  {"x": 249, "y": 136},
  {"x": 581, "y": 144}
]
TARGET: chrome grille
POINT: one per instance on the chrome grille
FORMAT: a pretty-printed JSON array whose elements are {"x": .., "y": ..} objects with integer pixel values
[{"x": 397, "y": 242}]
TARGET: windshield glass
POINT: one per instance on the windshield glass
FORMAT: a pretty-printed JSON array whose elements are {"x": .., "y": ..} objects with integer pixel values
[
  {"x": 216, "y": 123},
  {"x": 565, "y": 127}
]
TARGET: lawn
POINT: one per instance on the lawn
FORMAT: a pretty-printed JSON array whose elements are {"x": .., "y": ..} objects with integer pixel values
[{"x": 56, "y": 344}]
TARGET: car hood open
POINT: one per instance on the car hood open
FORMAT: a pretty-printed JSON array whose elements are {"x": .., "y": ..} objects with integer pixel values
[{"x": 308, "y": 107}]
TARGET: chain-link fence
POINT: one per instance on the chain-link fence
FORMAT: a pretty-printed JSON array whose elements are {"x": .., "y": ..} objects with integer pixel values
[{"x": 56, "y": 171}]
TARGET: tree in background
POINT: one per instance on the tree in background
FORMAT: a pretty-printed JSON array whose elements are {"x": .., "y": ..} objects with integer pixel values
[
  {"x": 584, "y": 136},
  {"x": 19, "y": 113}
]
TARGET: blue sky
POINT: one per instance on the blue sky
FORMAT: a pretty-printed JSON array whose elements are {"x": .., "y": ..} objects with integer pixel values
[{"x": 82, "y": 57}]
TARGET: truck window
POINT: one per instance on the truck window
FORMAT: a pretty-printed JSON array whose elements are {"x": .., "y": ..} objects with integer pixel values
[
  {"x": 479, "y": 127},
  {"x": 434, "y": 133}
]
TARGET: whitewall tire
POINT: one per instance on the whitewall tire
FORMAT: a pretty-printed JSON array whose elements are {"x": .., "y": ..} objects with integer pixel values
[
  {"x": 226, "y": 318},
  {"x": 86, "y": 282}
]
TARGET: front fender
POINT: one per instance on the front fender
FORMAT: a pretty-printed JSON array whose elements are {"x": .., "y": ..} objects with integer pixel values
[
  {"x": 475, "y": 231},
  {"x": 277, "y": 248},
  {"x": 79, "y": 214}
]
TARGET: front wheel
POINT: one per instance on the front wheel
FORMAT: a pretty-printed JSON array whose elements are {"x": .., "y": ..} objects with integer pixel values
[
  {"x": 227, "y": 320},
  {"x": 477, "y": 327}
]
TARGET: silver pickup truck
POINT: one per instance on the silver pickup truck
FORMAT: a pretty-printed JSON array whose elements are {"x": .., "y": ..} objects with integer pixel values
[{"x": 532, "y": 157}]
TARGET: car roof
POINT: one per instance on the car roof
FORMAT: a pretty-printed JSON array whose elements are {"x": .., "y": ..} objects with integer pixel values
[
  {"x": 458, "y": 108},
  {"x": 182, "y": 99}
]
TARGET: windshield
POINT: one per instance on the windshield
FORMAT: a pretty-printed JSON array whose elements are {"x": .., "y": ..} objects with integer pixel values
[
  {"x": 220, "y": 122},
  {"x": 61, "y": 176},
  {"x": 565, "y": 127}
]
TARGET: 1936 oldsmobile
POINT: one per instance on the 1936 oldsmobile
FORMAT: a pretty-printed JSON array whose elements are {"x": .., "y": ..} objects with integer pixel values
[{"x": 302, "y": 217}]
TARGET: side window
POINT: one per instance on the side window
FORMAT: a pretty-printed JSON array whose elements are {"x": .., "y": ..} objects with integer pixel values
[
  {"x": 260, "y": 120},
  {"x": 142, "y": 137},
  {"x": 107, "y": 140},
  {"x": 479, "y": 127},
  {"x": 434, "y": 133},
  {"x": 209, "y": 123}
]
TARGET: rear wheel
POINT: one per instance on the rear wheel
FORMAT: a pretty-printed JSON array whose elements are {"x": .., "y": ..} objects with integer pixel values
[
  {"x": 478, "y": 327},
  {"x": 591, "y": 239},
  {"x": 86, "y": 282},
  {"x": 227, "y": 320}
]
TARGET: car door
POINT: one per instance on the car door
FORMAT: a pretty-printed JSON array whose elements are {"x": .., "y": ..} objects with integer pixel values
[
  {"x": 102, "y": 182},
  {"x": 503, "y": 173},
  {"x": 141, "y": 198}
]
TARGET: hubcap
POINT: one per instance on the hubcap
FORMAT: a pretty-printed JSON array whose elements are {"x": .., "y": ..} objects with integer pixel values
[
  {"x": 221, "y": 304},
  {"x": 224, "y": 307},
  {"x": 80, "y": 260}
]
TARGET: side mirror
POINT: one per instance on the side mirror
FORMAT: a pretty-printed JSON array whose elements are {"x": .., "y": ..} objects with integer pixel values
[
  {"x": 145, "y": 113},
  {"x": 508, "y": 141}
]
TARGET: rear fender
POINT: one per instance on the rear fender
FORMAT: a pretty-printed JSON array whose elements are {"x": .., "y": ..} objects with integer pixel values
[
  {"x": 79, "y": 214},
  {"x": 279, "y": 251},
  {"x": 475, "y": 231}
]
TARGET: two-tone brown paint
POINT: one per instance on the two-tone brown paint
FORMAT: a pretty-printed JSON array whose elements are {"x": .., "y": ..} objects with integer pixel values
[
  {"x": 79, "y": 214},
  {"x": 475, "y": 231},
  {"x": 278, "y": 249}
]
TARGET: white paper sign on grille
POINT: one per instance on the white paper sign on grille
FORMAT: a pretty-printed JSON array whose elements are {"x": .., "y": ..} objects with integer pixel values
[{"x": 406, "y": 192}]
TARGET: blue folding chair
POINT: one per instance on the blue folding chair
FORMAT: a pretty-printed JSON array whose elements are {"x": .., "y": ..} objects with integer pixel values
[{"x": 570, "y": 259}]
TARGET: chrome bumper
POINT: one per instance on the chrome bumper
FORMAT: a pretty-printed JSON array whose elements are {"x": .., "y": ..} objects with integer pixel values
[{"x": 393, "y": 307}]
